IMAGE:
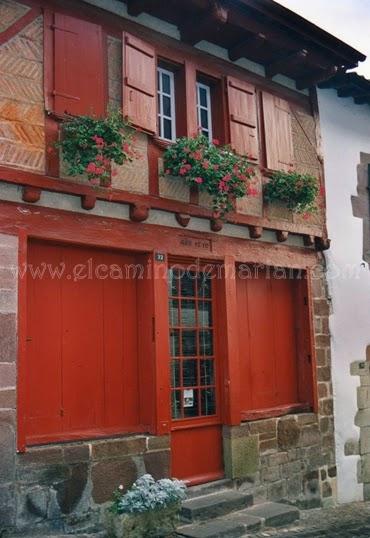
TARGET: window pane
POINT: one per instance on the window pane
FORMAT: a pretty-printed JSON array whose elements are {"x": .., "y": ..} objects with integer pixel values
[
  {"x": 203, "y": 97},
  {"x": 189, "y": 372},
  {"x": 175, "y": 343},
  {"x": 204, "y": 118},
  {"x": 166, "y": 84},
  {"x": 204, "y": 285},
  {"x": 191, "y": 403},
  {"x": 173, "y": 282},
  {"x": 188, "y": 318},
  {"x": 207, "y": 376},
  {"x": 205, "y": 314},
  {"x": 175, "y": 373},
  {"x": 205, "y": 342},
  {"x": 176, "y": 404},
  {"x": 188, "y": 284},
  {"x": 174, "y": 312},
  {"x": 166, "y": 106},
  {"x": 167, "y": 129},
  {"x": 208, "y": 401},
  {"x": 189, "y": 343}
]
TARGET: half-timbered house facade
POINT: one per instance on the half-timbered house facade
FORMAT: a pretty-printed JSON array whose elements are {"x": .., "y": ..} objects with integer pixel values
[{"x": 139, "y": 331}]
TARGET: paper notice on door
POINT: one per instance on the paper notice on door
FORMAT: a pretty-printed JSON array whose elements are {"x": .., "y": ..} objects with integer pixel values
[{"x": 188, "y": 398}]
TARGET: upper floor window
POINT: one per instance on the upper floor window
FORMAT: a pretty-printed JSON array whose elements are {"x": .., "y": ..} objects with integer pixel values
[
  {"x": 166, "y": 104},
  {"x": 204, "y": 111}
]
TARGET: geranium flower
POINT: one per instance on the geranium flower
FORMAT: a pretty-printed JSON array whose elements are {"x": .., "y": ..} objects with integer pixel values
[
  {"x": 183, "y": 171},
  {"x": 198, "y": 180},
  {"x": 216, "y": 142},
  {"x": 99, "y": 141},
  {"x": 205, "y": 165},
  {"x": 91, "y": 168}
]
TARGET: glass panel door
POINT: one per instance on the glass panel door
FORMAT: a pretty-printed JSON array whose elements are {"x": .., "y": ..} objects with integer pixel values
[{"x": 193, "y": 375}]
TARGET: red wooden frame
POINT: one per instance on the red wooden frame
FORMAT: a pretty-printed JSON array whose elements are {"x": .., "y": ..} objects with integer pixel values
[{"x": 19, "y": 24}]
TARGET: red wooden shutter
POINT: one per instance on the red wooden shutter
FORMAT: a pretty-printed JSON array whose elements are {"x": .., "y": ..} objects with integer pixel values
[
  {"x": 278, "y": 132},
  {"x": 79, "y": 81},
  {"x": 243, "y": 117},
  {"x": 139, "y": 83}
]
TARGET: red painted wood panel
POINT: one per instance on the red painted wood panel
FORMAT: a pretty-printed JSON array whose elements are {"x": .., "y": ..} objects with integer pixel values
[
  {"x": 79, "y": 72},
  {"x": 82, "y": 370},
  {"x": 268, "y": 346}
]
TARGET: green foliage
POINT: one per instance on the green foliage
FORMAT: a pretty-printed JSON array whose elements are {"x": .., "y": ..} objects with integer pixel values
[
  {"x": 215, "y": 169},
  {"x": 90, "y": 145},
  {"x": 297, "y": 191}
]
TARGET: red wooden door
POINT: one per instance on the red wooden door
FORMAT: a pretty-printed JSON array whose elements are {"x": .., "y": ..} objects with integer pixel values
[
  {"x": 195, "y": 399},
  {"x": 82, "y": 377}
]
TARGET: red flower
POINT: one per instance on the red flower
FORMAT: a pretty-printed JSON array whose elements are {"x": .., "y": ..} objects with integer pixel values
[
  {"x": 216, "y": 142},
  {"x": 197, "y": 155},
  {"x": 99, "y": 141},
  {"x": 252, "y": 191},
  {"x": 198, "y": 180},
  {"x": 223, "y": 187},
  {"x": 226, "y": 177},
  {"x": 91, "y": 168},
  {"x": 168, "y": 171},
  {"x": 99, "y": 157},
  {"x": 216, "y": 166},
  {"x": 188, "y": 166},
  {"x": 99, "y": 170},
  {"x": 205, "y": 165},
  {"x": 183, "y": 171},
  {"x": 250, "y": 171}
]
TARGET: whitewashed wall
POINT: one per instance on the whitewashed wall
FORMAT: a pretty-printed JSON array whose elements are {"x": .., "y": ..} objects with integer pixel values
[{"x": 345, "y": 131}]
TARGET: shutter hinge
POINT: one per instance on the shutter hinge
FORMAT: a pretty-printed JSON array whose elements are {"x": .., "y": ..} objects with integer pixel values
[{"x": 65, "y": 95}]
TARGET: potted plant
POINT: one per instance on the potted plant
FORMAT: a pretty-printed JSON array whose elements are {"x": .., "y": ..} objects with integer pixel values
[
  {"x": 214, "y": 169},
  {"x": 297, "y": 191},
  {"x": 90, "y": 145},
  {"x": 148, "y": 509}
]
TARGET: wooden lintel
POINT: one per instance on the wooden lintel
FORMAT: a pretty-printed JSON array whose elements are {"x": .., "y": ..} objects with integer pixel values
[
  {"x": 207, "y": 22},
  {"x": 216, "y": 225},
  {"x": 139, "y": 212},
  {"x": 255, "y": 232},
  {"x": 322, "y": 243},
  {"x": 252, "y": 43},
  {"x": 88, "y": 201},
  {"x": 286, "y": 62},
  {"x": 31, "y": 194},
  {"x": 281, "y": 235},
  {"x": 313, "y": 79},
  {"x": 183, "y": 219},
  {"x": 308, "y": 240}
]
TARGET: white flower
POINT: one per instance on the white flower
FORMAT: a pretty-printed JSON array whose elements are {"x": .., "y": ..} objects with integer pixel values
[{"x": 120, "y": 487}]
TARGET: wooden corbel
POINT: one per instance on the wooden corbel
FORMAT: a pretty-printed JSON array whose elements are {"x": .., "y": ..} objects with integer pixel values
[
  {"x": 322, "y": 243},
  {"x": 255, "y": 232},
  {"x": 183, "y": 219},
  {"x": 88, "y": 201},
  {"x": 281, "y": 235},
  {"x": 308, "y": 240},
  {"x": 31, "y": 194},
  {"x": 216, "y": 225},
  {"x": 139, "y": 212}
]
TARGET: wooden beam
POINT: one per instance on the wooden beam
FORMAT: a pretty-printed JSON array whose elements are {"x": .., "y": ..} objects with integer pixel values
[
  {"x": 253, "y": 42},
  {"x": 216, "y": 225},
  {"x": 286, "y": 62},
  {"x": 314, "y": 78},
  {"x": 183, "y": 219},
  {"x": 135, "y": 7},
  {"x": 31, "y": 194},
  {"x": 211, "y": 19},
  {"x": 19, "y": 24}
]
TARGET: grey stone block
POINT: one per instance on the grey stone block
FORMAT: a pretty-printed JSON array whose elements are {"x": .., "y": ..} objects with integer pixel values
[
  {"x": 214, "y": 505},
  {"x": 275, "y": 514}
]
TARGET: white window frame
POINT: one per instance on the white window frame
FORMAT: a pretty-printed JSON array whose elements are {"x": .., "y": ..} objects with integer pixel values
[
  {"x": 161, "y": 117},
  {"x": 207, "y": 108}
]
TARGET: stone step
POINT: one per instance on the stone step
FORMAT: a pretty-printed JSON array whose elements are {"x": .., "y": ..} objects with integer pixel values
[
  {"x": 214, "y": 505},
  {"x": 233, "y": 525},
  {"x": 274, "y": 514},
  {"x": 242, "y": 522},
  {"x": 209, "y": 487}
]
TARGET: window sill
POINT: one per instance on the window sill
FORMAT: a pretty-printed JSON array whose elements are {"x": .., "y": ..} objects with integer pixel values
[
  {"x": 160, "y": 143},
  {"x": 279, "y": 411}
]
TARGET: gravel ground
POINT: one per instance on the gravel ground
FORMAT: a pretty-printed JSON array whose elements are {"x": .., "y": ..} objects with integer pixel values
[{"x": 343, "y": 521}]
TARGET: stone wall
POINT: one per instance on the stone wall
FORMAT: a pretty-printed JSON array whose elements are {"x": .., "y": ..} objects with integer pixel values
[
  {"x": 8, "y": 351},
  {"x": 292, "y": 457},
  {"x": 67, "y": 487}
]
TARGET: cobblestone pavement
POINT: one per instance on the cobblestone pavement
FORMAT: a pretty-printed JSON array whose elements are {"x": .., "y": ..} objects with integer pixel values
[{"x": 343, "y": 521}]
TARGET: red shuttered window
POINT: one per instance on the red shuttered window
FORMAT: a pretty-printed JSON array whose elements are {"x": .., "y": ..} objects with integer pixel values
[
  {"x": 243, "y": 117},
  {"x": 275, "y": 361},
  {"x": 278, "y": 132},
  {"x": 139, "y": 83},
  {"x": 79, "y": 85}
]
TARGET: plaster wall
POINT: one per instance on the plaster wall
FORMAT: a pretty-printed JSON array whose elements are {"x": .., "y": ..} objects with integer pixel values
[{"x": 345, "y": 129}]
